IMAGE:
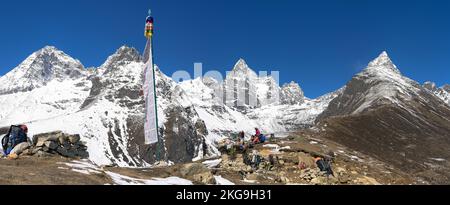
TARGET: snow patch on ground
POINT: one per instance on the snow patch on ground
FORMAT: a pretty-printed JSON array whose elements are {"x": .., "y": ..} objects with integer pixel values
[
  {"x": 212, "y": 163},
  {"x": 125, "y": 180},
  {"x": 83, "y": 167},
  {"x": 222, "y": 181}
]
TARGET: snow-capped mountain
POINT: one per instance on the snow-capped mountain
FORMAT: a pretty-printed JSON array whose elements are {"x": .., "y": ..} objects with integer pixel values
[
  {"x": 123, "y": 56},
  {"x": 245, "y": 101},
  {"x": 245, "y": 89},
  {"x": 40, "y": 68},
  {"x": 51, "y": 91},
  {"x": 381, "y": 83},
  {"x": 105, "y": 108},
  {"x": 48, "y": 83},
  {"x": 292, "y": 94},
  {"x": 442, "y": 92},
  {"x": 388, "y": 116}
]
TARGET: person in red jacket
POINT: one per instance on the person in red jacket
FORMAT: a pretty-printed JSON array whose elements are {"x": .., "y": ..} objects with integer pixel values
[
  {"x": 258, "y": 133},
  {"x": 255, "y": 138}
]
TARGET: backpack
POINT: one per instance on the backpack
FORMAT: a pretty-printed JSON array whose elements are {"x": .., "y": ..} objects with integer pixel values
[
  {"x": 14, "y": 137},
  {"x": 325, "y": 167},
  {"x": 247, "y": 160},
  {"x": 262, "y": 138}
]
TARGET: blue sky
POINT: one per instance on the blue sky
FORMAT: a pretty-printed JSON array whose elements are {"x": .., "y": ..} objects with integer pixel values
[{"x": 319, "y": 43}]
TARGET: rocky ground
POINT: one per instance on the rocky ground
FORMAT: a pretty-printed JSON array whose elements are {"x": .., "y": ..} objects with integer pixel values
[
  {"x": 280, "y": 165},
  {"x": 349, "y": 167}
]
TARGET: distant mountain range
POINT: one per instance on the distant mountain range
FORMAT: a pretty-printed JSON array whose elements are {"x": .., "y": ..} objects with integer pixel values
[{"x": 379, "y": 112}]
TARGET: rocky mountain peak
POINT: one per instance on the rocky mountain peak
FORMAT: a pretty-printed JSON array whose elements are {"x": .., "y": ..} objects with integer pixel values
[
  {"x": 49, "y": 49},
  {"x": 240, "y": 65},
  {"x": 441, "y": 92},
  {"x": 124, "y": 55},
  {"x": 50, "y": 55},
  {"x": 383, "y": 63},
  {"x": 291, "y": 93},
  {"x": 446, "y": 87},
  {"x": 41, "y": 67},
  {"x": 241, "y": 68},
  {"x": 430, "y": 86}
]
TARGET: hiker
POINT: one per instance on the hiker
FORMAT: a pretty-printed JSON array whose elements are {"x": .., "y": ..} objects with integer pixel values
[
  {"x": 257, "y": 132},
  {"x": 241, "y": 141},
  {"x": 255, "y": 140},
  {"x": 242, "y": 136},
  {"x": 324, "y": 166},
  {"x": 272, "y": 138},
  {"x": 15, "y": 141}
]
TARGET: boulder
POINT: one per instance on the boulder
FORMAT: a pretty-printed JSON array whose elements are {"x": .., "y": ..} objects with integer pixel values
[
  {"x": 319, "y": 181},
  {"x": 198, "y": 173},
  {"x": 40, "y": 142},
  {"x": 51, "y": 145},
  {"x": 333, "y": 180},
  {"x": 254, "y": 177},
  {"x": 193, "y": 168},
  {"x": 40, "y": 139},
  {"x": 204, "y": 178},
  {"x": 26, "y": 152},
  {"x": 78, "y": 152},
  {"x": 63, "y": 139},
  {"x": 367, "y": 181},
  {"x": 58, "y": 143},
  {"x": 36, "y": 150},
  {"x": 306, "y": 161},
  {"x": 65, "y": 152},
  {"x": 74, "y": 139},
  {"x": 285, "y": 180}
]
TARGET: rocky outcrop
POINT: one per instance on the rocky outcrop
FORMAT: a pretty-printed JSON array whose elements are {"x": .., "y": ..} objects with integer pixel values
[
  {"x": 198, "y": 173},
  {"x": 292, "y": 94},
  {"x": 441, "y": 92},
  {"x": 57, "y": 143}
]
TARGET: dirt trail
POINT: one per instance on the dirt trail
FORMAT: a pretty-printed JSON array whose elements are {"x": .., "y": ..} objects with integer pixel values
[{"x": 45, "y": 171}]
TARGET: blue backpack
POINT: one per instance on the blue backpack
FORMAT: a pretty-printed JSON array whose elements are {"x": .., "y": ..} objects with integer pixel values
[
  {"x": 14, "y": 137},
  {"x": 262, "y": 138}
]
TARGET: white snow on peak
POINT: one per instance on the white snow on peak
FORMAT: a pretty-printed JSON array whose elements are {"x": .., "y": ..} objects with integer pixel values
[
  {"x": 442, "y": 93},
  {"x": 39, "y": 68},
  {"x": 122, "y": 56},
  {"x": 242, "y": 70},
  {"x": 383, "y": 63},
  {"x": 386, "y": 82},
  {"x": 241, "y": 65},
  {"x": 67, "y": 105}
]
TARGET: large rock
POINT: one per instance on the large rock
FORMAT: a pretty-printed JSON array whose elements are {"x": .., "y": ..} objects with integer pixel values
[
  {"x": 198, "y": 173},
  {"x": 320, "y": 181},
  {"x": 74, "y": 139},
  {"x": 51, "y": 145},
  {"x": 40, "y": 139},
  {"x": 367, "y": 181},
  {"x": 305, "y": 161},
  {"x": 66, "y": 152}
]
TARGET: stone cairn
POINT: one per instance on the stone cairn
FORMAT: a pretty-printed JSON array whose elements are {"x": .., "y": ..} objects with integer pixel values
[{"x": 57, "y": 143}]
